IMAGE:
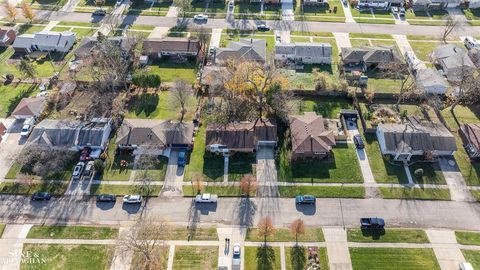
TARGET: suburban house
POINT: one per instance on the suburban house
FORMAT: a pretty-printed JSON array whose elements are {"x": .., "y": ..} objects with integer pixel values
[
  {"x": 309, "y": 136},
  {"x": 7, "y": 36},
  {"x": 421, "y": 5},
  {"x": 29, "y": 107},
  {"x": 369, "y": 58},
  {"x": 88, "y": 46},
  {"x": 315, "y": 2},
  {"x": 72, "y": 134},
  {"x": 431, "y": 81},
  {"x": 473, "y": 4},
  {"x": 156, "y": 48},
  {"x": 470, "y": 134},
  {"x": 44, "y": 41},
  {"x": 242, "y": 136},
  {"x": 415, "y": 139},
  {"x": 304, "y": 53},
  {"x": 154, "y": 136},
  {"x": 246, "y": 49},
  {"x": 453, "y": 61},
  {"x": 379, "y": 4}
]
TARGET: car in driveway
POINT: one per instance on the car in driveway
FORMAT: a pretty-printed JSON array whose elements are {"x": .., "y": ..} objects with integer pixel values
[
  {"x": 89, "y": 170},
  {"x": 41, "y": 196},
  {"x": 130, "y": 199},
  {"x": 200, "y": 18},
  {"x": 358, "y": 141},
  {"x": 77, "y": 171},
  {"x": 263, "y": 27},
  {"x": 182, "y": 158},
  {"x": 236, "y": 254},
  {"x": 99, "y": 12},
  {"x": 27, "y": 127},
  {"x": 305, "y": 199},
  {"x": 401, "y": 13},
  {"x": 106, "y": 198},
  {"x": 394, "y": 10},
  {"x": 372, "y": 223}
]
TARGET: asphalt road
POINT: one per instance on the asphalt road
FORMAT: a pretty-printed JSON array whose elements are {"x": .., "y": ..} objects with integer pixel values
[
  {"x": 238, "y": 211},
  {"x": 277, "y": 25}
]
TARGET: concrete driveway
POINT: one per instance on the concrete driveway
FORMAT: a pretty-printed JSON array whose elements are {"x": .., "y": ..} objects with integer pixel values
[
  {"x": 11, "y": 147},
  {"x": 173, "y": 177}
]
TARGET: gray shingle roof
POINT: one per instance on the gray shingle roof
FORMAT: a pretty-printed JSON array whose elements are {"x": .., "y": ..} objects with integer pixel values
[
  {"x": 247, "y": 49},
  {"x": 305, "y": 49}
]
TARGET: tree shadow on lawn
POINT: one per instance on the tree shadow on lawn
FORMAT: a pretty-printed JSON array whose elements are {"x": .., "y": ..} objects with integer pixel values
[
  {"x": 312, "y": 169},
  {"x": 265, "y": 258},
  {"x": 298, "y": 255},
  {"x": 144, "y": 103},
  {"x": 239, "y": 165},
  {"x": 213, "y": 167},
  {"x": 375, "y": 234},
  {"x": 431, "y": 173}
]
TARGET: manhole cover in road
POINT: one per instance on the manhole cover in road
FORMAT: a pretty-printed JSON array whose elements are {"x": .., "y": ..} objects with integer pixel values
[{"x": 451, "y": 162}]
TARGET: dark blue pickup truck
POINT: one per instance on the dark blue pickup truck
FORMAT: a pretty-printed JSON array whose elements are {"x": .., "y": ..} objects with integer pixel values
[{"x": 372, "y": 223}]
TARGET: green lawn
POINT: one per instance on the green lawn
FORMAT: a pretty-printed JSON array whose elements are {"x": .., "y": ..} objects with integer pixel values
[
  {"x": 374, "y": 21},
  {"x": 322, "y": 192},
  {"x": 296, "y": 258},
  {"x": 160, "y": 253},
  {"x": 12, "y": 94},
  {"x": 381, "y": 85},
  {"x": 112, "y": 170},
  {"x": 119, "y": 190},
  {"x": 415, "y": 193},
  {"x": 431, "y": 173},
  {"x": 341, "y": 168},
  {"x": 30, "y": 29},
  {"x": 55, "y": 189},
  {"x": 222, "y": 191},
  {"x": 252, "y": 11},
  {"x": 387, "y": 236},
  {"x": 377, "y": 36},
  {"x": 158, "y": 106},
  {"x": 2, "y": 228},
  {"x": 47, "y": 4},
  {"x": 262, "y": 258},
  {"x": 169, "y": 71},
  {"x": 473, "y": 257},
  {"x": 200, "y": 233},
  {"x": 84, "y": 24},
  {"x": 61, "y": 257},
  {"x": 423, "y": 49},
  {"x": 476, "y": 194},
  {"x": 284, "y": 235},
  {"x": 192, "y": 257},
  {"x": 468, "y": 238},
  {"x": 72, "y": 232},
  {"x": 327, "y": 107},
  {"x": 393, "y": 259}
]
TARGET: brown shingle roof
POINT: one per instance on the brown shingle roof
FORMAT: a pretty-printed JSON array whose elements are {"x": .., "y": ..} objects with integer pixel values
[
  {"x": 30, "y": 106},
  {"x": 309, "y": 135},
  {"x": 242, "y": 136},
  {"x": 170, "y": 44}
]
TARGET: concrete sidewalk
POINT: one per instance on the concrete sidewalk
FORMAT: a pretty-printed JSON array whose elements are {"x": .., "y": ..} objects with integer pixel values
[
  {"x": 337, "y": 249},
  {"x": 449, "y": 256},
  {"x": 455, "y": 181}
]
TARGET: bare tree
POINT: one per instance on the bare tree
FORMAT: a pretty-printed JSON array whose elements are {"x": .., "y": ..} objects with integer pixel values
[
  {"x": 146, "y": 238},
  {"x": 297, "y": 228},
  {"x": 144, "y": 163},
  {"x": 42, "y": 161},
  {"x": 467, "y": 84},
  {"x": 11, "y": 10},
  {"x": 181, "y": 95},
  {"x": 197, "y": 183},
  {"x": 452, "y": 24},
  {"x": 265, "y": 229},
  {"x": 184, "y": 6},
  {"x": 399, "y": 71},
  {"x": 283, "y": 103},
  {"x": 248, "y": 184}
]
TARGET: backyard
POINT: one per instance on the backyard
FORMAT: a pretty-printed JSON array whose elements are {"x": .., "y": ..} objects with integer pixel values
[
  {"x": 12, "y": 94},
  {"x": 170, "y": 71}
]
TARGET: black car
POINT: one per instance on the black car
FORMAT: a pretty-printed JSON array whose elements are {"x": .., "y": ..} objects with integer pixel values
[
  {"x": 106, "y": 198},
  {"x": 41, "y": 196},
  {"x": 372, "y": 223},
  {"x": 263, "y": 27},
  {"x": 357, "y": 139},
  {"x": 99, "y": 12}
]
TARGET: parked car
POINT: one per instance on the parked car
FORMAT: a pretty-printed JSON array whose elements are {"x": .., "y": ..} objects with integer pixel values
[
  {"x": 77, "y": 171},
  {"x": 402, "y": 12},
  {"x": 85, "y": 154},
  {"x": 106, "y": 198},
  {"x": 471, "y": 43},
  {"x": 466, "y": 266},
  {"x": 218, "y": 148},
  {"x": 236, "y": 254},
  {"x": 394, "y": 10},
  {"x": 27, "y": 127},
  {"x": 99, "y": 12},
  {"x": 206, "y": 198},
  {"x": 88, "y": 172},
  {"x": 357, "y": 139},
  {"x": 41, "y": 196},
  {"x": 200, "y": 18},
  {"x": 372, "y": 223},
  {"x": 263, "y": 27},
  {"x": 182, "y": 158},
  {"x": 132, "y": 198},
  {"x": 305, "y": 199}
]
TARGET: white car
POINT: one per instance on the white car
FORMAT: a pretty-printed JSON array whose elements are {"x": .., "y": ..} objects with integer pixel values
[
  {"x": 132, "y": 198},
  {"x": 218, "y": 148},
  {"x": 77, "y": 171},
  {"x": 200, "y": 17},
  {"x": 236, "y": 254},
  {"x": 206, "y": 198},
  {"x": 471, "y": 43},
  {"x": 27, "y": 127}
]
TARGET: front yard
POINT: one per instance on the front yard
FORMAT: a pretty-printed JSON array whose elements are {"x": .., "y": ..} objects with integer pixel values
[
  {"x": 261, "y": 258},
  {"x": 293, "y": 257},
  {"x": 393, "y": 259},
  {"x": 312, "y": 234},
  {"x": 12, "y": 94},
  {"x": 387, "y": 236},
  {"x": 323, "y": 191},
  {"x": 415, "y": 193},
  {"x": 194, "y": 257},
  {"x": 72, "y": 232}
]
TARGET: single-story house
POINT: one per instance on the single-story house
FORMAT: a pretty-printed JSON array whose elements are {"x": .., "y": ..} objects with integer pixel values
[
  {"x": 315, "y": 2},
  {"x": 470, "y": 134},
  {"x": 242, "y": 136},
  {"x": 72, "y": 134},
  {"x": 29, "y": 107},
  {"x": 380, "y": 4},
  {"x": 44, "y": 41},
  {"x": 89, "y": 44},
  {"x": 304, "y": 52},
  {"x": 421, "y": 5},
  {"x": 454, "y": 62},
  {"x": 7, "y": 36},
  {"x": 156, "y": 135},
  {"x": 415, "y": 139},
  {"x": 156, "y": 48},
  {"x": 431, "y": 81},
  {"x": 309, "y": 136},
  {"x": 246, "y": 49},
  {"x": 369, "y": 58}
]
